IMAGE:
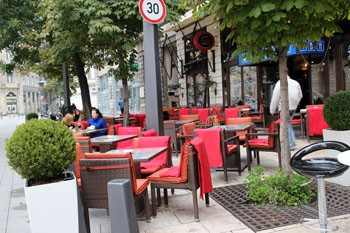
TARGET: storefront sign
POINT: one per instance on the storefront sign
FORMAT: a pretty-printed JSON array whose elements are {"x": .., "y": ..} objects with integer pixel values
[
  {"x": 204, "y": 40},
  {"x": 311, "y": 47}
]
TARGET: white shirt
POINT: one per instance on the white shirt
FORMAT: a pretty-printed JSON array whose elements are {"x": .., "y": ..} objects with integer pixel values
[{"x": 294, "y": 94}]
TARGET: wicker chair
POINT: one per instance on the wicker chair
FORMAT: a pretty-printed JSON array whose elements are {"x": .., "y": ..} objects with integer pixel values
[
  {"x": 170, "y": 130},
  {"x": 127, "y": 144},
  {"x": 256, "y": 144},
  {"x": 188, "y": 180},
  {"x": 85, "y": 143},
  {"x": 98, "y": 169},
  {"x": 79, "y": 155},
  {"x": 219, "y": 149},
  {"x": 240, "y": 121},
  {"x": 162, "y": 160},
  {"x": 231, "y": 113}
]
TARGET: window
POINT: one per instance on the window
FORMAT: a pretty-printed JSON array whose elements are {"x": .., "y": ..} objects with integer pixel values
[{"x": 10, "y": 78}]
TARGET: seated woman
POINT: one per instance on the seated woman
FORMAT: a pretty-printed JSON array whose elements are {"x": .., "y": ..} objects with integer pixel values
[
  {"x": 98, "y": 122},
  {"x": 76, "y": 114},
  {"x": 68, "y": 121}
]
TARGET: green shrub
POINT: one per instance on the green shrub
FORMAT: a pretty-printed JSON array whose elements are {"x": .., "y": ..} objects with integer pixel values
[
  {"x": 277, "y": 189},
  {"x": 40, "y": 150},
  {"x": 336, "y": 110},
  {"x": 31, "y": 115}
]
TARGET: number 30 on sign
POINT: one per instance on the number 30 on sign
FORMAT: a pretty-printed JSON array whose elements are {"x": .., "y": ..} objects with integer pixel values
[{"x": 153, "y": 11}]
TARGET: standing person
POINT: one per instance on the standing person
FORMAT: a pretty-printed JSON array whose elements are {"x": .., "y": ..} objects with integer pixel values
[
  {"x": 121, "y": 105},
  {"x": 294, "y": 95},
  {"x": 98, "y": 122}
]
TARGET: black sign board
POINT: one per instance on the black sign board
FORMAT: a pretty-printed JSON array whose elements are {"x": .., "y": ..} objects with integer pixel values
[{"x": 204, "y": 40}]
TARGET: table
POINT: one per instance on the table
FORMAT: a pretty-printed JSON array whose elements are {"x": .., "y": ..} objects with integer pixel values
[
  {"x": 344, "y": 157},
  {"x": 89, "y": 132},
  {"x": 109, "y": 142},
  {"x": 179, "y": 123},
  {"x": 234, "y": 128},
  {"x": 142, "y": 154}
]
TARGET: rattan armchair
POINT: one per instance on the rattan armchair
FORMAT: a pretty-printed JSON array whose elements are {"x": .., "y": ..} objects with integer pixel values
[
  {"x": 97, "y": 170},
  {"x": 188, "y": 180}
]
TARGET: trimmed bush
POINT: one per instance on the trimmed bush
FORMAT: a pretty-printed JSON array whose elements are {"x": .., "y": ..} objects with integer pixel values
[
  {"x": 40, "y": 150},
  {"x": 336, "y": 110},
  {"x": 31, "y": 115}
]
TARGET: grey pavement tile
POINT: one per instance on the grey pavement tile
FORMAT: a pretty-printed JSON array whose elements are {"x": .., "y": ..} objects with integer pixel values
[
  {"x": 18, "y": 225},
  {"x": 224, "y": 224},
  {"x": 196, "y": 227}
]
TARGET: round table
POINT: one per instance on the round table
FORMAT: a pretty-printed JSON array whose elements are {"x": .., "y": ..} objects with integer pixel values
[{"x": 344, "y": 157}]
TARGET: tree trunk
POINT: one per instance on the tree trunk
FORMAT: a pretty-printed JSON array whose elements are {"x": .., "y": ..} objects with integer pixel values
[
  {"x": 126, "y": 102},
  {"x": 84, "y": 86},
  {"x": 284, "y": 115}
]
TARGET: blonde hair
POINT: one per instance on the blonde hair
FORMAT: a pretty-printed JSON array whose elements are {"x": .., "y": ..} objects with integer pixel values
[{"x": 68, "y": 119}]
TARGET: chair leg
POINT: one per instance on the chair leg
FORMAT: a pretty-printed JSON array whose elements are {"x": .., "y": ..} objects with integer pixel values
[
  {"x": 248, "y": 158},
  {"x": 87, "y": 219},
  {"x": 225, "y": 172},
  {"x": 153, "y": 197},
  {"x": 147, "y": 207},
  {"x": 172, "y": 191},
  {"x": 207, "y": 199},
  {"x": 257, "y": 157},
  {"x": 195, "y": 205},
  {"x": 159, "y": 199},
  {"x": 165, "y": 197}
]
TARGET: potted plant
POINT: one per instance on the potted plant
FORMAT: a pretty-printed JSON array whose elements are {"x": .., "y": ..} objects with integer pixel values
[
  {"x": 41, "y": 151},
  {"x": 336, "y": 112}
]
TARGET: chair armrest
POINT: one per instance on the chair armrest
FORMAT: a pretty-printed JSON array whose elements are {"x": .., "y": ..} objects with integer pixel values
[
  {"x": 185, "y": 136},
  {"x": 233, "y": 138},
  {"x": 251, "y": 135},
  {"x": 254, "y": 113},
  {"x": 260, "y": 129}
]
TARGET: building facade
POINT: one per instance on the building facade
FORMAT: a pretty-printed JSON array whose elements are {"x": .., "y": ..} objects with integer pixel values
[{"x": 19, "y": 91}]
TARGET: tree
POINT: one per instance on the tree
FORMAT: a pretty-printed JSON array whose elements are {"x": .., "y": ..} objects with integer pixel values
[{"x": 268, "y": 28}]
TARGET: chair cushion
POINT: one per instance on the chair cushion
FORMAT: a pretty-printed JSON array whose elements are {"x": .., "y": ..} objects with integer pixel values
[
  {"x": 141, "y": 185},
  {"x": 171, "y": 172},
  {"x": 148, "y": 171},
  {"x": 259, "y": 143},
  {"x": 152, "y": 164},
  {"x": 155, "y": 177},
  {"x": 231, "y": 149}
]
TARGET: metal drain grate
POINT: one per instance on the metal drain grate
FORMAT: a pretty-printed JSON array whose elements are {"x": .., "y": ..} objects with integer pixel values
[{"x": 233, "y": 198}]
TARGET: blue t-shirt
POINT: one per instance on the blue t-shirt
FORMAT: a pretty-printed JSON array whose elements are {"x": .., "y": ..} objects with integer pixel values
[{"x": 99, "y": 123}]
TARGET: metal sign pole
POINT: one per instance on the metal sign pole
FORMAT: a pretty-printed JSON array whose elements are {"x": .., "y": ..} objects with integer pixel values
[{"x": 153, "y": 94}]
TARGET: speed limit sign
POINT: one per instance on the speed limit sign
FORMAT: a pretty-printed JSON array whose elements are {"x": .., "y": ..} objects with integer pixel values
[{"x": 153, "y": 11}]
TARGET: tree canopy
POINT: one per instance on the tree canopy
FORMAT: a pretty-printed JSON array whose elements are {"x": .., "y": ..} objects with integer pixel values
[{"x": 262, "y": 28}]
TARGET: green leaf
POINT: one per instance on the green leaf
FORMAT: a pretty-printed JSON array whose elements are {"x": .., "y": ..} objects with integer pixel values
[
  {"x": 255, "y": 12},
  {"x": 299, "y": 4},
  {"x": 287, "y": 5},
  {"x": 277, "y": 17},
  {"x": 268, "y": 7}
]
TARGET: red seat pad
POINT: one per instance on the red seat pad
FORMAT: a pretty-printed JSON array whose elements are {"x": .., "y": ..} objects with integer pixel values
[
  {"x": 155, "y": 177},
  {"x": 141, "y": 185},
  {"x": 231, "y": 149},
  {"x": 259, "y": 143}
]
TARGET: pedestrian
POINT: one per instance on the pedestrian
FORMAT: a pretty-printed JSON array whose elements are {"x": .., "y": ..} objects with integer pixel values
[
  {"x": 121, "y": 105},
  {"x": 294, "y": 96}
]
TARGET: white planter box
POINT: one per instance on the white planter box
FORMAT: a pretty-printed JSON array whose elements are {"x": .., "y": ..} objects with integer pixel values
[
  {"x": 53, "y": 207},
  {"x": 340, "y": 136}
]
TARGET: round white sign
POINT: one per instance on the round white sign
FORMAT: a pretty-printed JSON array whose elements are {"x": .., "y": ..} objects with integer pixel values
[{"x": 153, "y": 11}]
